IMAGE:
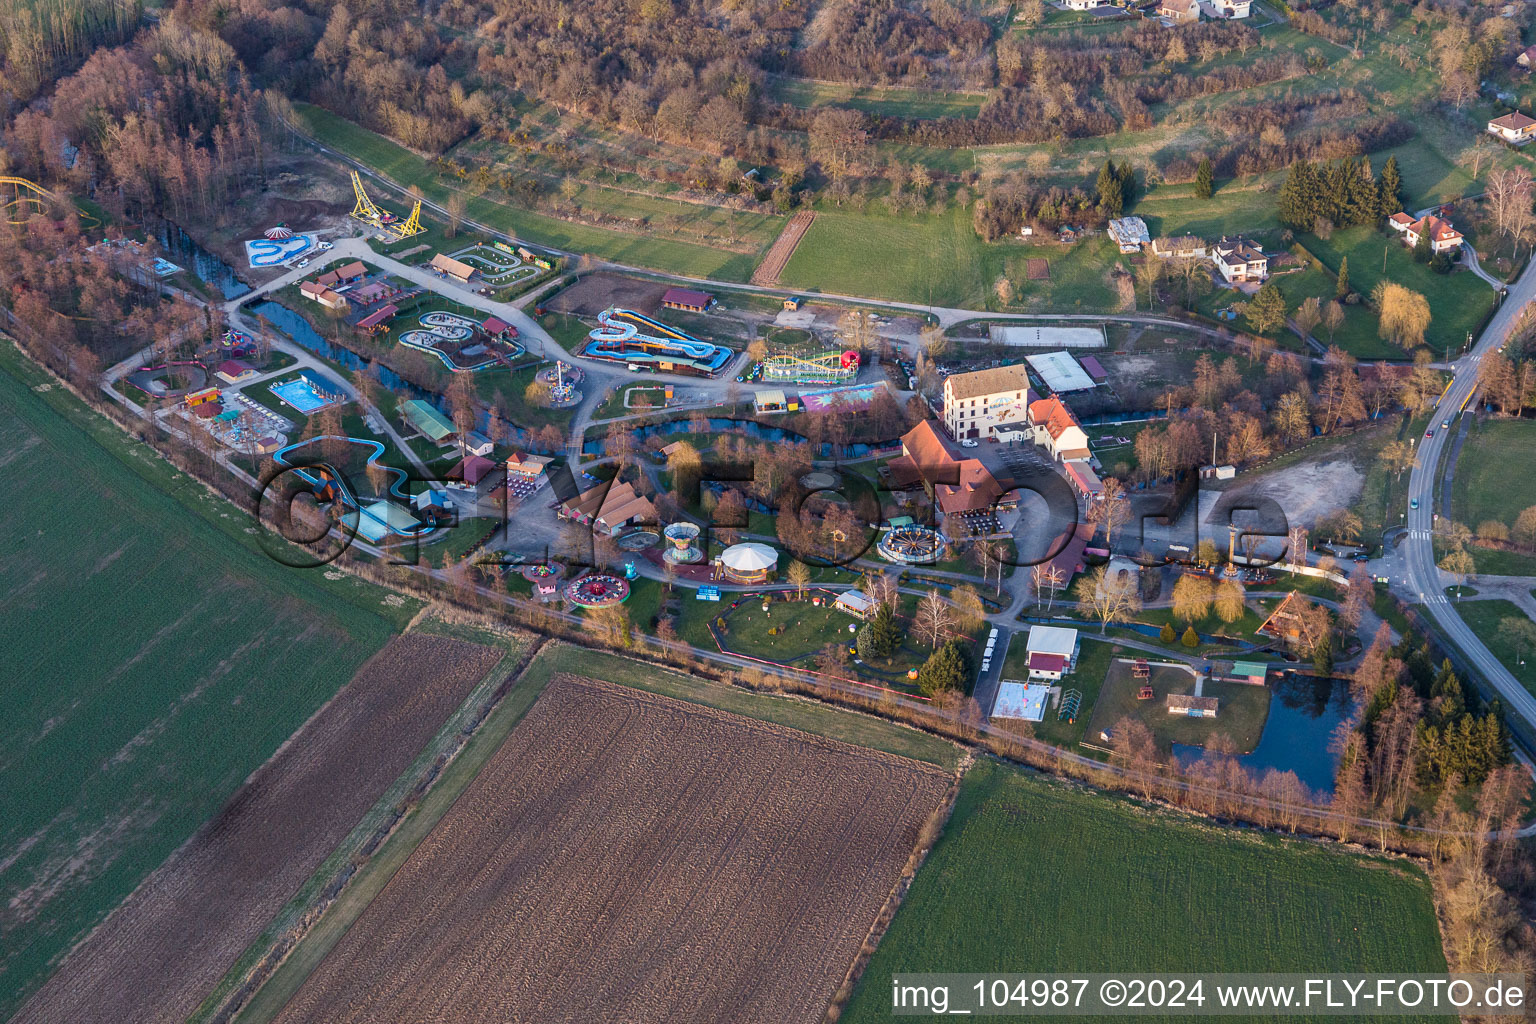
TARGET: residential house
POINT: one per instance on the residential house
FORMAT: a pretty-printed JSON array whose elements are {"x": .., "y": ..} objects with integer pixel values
[
  {"x": 317, "y": 292},
  {"x": 1527, "y": 55},
  {"x": 1181, "y": 246},
  {"x": 1130, "y": 233},
  {"x": 1442, "y": 236},
  {"x": 1239, "y": 261},
  {"x": 977, "y": 404},
  {"x": 1057, "y": 431},
  {"x": 1513, "y": 127},
  {"x": 1231, "y": 8},
  {"x": 1179, "y": 11}
]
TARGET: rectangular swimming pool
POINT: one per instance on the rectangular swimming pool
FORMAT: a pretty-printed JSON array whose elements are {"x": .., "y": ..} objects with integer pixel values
[{"x": 300, "y": 395}]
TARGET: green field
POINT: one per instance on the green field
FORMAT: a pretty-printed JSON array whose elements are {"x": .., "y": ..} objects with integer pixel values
[
  {"x": 1240, "y": 716},
  {"x": 1484, "y": 487},
  {"x": 407, "y": 168},
  {"x": 1036, "y": 876},
  {"x": 938, "y": 258},
  {"x": 889, "y": 102},
  {"x": 156, "y": 658},
  {"x": 1484, "y": 618}
]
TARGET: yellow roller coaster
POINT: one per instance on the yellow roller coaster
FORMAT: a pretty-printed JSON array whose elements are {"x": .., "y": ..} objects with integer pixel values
[
  {"x": 367, "y": 211},
  {"x": 37, "y": 202}
]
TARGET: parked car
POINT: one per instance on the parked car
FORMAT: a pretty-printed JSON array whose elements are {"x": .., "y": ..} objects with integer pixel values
[
  {"x": 970, "y": 442},
  {"x": 303, "y": 263}
]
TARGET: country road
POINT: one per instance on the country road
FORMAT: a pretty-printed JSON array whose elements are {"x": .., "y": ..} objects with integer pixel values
[{"x": 1418, "y": 548}]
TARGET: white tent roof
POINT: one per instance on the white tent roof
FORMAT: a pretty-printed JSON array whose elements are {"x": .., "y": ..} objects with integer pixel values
[
  {"x": 1061, "y": 372},
  {"x": 749, "y": 557},
  {"x": 1052, "y": 640}
]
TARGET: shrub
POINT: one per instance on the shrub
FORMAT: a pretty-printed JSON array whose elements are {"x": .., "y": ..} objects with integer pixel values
[
  {"x": 1190, "y": 637},
  {"x": 1168, "y": 635}
]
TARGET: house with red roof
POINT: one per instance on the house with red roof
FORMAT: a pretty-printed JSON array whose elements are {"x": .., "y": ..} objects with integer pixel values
[
  {"x": 1057, "y": 430},
  {"x": 958, "y": 486},
  {"x": 1514, "y": 127},
  {"x": 687, "y": 299},
  {"x": 1443, "y": 237}
]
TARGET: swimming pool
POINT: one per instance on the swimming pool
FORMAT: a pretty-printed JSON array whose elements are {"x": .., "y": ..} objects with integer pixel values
[{"x": 300, "y": 395}]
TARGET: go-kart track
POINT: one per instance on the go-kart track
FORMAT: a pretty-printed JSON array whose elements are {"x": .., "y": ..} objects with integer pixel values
[
  {"x": 625, "y": 336},
  {"x": 496, "y": 266},
  {"x": 274, "y": 252},
  {"x": 445, "y": 336}
]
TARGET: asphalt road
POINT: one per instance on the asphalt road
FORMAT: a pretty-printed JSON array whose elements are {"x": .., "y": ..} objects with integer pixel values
[{"x": 1417, "y": 548}]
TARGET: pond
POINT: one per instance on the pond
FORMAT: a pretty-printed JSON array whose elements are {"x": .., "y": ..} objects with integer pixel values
[{"x": 1303, "y": 712}]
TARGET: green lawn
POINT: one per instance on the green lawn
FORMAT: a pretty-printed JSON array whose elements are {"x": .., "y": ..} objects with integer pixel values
[
  {"x": 1484, "y": 487},
  {"x": 1241, "y": 715},
  {"x": 1457, "y": 301},
  {"x": 406, "y": 168},
  {"x": 164, "y": 658},
  {"x": 1032, "y": 875},
  {"x": 1484, "y": 618},
  {"x": 938, "y": 258},
  {"x": 889, "y": 102}
]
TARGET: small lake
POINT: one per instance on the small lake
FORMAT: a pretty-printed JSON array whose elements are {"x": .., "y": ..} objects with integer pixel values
[
  {"x": 1303, "y": 712},
  {"x": 181, "y": 249}
]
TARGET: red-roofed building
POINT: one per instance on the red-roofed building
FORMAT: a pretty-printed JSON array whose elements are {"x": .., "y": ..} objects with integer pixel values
[
  {"x": 378, "y": 319},
  {"x": 1513, "y": 127},
  {"x": 958, "y": 486},
  {"x": 1057, "y": 430},
  {"x": 687, "y": 299},
  {"x": 472, "y": 470},
  {"x": 1442, "y": 236},
  {"x": 498, "y": 328}
]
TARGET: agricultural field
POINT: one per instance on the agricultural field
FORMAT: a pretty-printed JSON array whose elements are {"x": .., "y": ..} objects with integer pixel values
[
  {"x": 663, "y": 805},
  {"x": 166, "y": 659},
  {"x": 1032, "y": 875},
  {"x": 172, "y": 940}
]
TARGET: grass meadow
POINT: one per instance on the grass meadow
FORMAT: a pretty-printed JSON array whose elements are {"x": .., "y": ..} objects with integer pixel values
[
  {"x": 156, "y": 657},
  {"x": 1485, "y": 617},
  {"x": 1484, "y": 487},
  {"x": 407, "y": 168},
  {"x": 1038, "y": 876}
]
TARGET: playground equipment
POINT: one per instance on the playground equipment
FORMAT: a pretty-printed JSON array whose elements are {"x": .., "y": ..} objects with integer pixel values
[
  {"x": 625, "y": 336},
  {"x": 597, "y": 591},
  {"x": 1071, "y": 700},
  {"x": 37, "y": 201},
  {"x": 911, "y": 545},
  {"x": 684, "y": 549},
  {"x": 828, "y": 366},
  {"x": 561, "y": 381},
  {"x": 367, "y": 211}
]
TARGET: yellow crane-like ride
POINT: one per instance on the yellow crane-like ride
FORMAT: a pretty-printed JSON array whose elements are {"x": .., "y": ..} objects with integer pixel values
[{"x": 369, "y": 212}]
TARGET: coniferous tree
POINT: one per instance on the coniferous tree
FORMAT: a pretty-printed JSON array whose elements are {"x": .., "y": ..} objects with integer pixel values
[
  {"x": 1205, "y": 181},
  {"x": 882, "y": 636},
  {"x": 1421, "y": 249},
  {"x": 1341, "y": 289},
  {"x": 1111, "y": 189},
  {"x": 1390, "y": 189},
  {"x": 945, "y": 670},
  {"x": 1299, "y": 196}
]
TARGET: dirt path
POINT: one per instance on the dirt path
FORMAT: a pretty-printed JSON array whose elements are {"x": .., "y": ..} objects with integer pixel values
[
  {"x": 159, "y": 954},
  {"x": 768, "y": 271}
]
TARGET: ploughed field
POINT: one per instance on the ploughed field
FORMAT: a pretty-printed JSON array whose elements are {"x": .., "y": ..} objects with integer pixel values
[
  {"x": 164, "y": 949},
  {"x": 627, "y": 856}
]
